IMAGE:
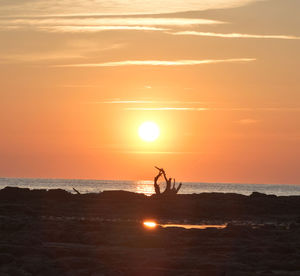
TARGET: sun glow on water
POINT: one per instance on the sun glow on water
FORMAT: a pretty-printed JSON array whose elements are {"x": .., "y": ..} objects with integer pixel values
[{"x": 150, "y": 224}]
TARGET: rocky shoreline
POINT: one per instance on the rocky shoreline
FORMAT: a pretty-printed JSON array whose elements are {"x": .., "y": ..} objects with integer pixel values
[{"x": 58, "y": 233}]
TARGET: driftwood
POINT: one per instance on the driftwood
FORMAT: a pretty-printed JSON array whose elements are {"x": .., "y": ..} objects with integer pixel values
[
  {"x": 76, "y": 191},
  {"x": 170, "y": 190}
]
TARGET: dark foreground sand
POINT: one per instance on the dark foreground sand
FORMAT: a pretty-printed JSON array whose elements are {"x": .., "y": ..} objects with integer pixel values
[{"x": 57, "y": 233}]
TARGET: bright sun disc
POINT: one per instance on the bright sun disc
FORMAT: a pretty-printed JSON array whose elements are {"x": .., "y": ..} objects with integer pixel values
[{"x": 149, "y": 131}]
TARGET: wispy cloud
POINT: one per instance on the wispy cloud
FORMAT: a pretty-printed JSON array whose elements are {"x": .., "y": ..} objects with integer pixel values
[
  {"x": 162, "y": 152},
  {"x": 185, "y": 62},
  {"x": 36, "y": 57},
  {"x": 126, "y": 102},
  {"x": 93, "y": 29},
  {"x": 46, "y": 7},
  {"x": 167, "y": 108},
  {"x": 146, "y": 102},
  {"x": 101, "y": 23},
  {"x": 236, "y": 35},
  {"x": 80, "y": 50},
  {"x": 245, "y": 109},
  {"x": 178, "y": 105}
]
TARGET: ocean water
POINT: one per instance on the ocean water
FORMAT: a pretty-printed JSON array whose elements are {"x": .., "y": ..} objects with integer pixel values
[{"x": 146, "y": 186}]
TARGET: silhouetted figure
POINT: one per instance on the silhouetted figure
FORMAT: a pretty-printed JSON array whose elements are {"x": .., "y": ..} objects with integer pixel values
[{"x": 169, "y": 190}]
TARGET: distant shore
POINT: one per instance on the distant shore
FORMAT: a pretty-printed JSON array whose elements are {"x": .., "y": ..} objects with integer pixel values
[{"x": 58, "y": 233}]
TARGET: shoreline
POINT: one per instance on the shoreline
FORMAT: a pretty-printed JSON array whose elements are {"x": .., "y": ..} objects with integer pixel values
[
  {"x": 136, "y": 205},
  {"x": 146, "y": 187},
  {"x": 138, "y": 180}
]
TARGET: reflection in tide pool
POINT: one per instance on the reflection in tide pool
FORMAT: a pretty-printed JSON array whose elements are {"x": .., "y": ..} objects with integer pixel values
[
  {"x": 151, "y": 224},
  {"x": 195, "y": 226}
]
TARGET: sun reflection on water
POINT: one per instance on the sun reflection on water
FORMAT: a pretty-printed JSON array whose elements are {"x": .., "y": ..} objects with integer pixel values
[
  {"x": 145, "y": 187},
  {"x": 194, "y": 226},
  {"x": 150, "y": 224}
]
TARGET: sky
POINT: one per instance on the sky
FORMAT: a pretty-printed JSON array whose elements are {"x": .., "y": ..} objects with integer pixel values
[{"x": 219, "y": 77}]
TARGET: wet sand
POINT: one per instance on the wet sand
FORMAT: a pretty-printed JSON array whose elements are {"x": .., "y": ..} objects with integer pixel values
[{"x": 58, "y": 233}]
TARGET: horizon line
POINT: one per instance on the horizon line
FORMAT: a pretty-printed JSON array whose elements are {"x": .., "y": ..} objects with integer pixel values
[{"x": 131, "y": 180}]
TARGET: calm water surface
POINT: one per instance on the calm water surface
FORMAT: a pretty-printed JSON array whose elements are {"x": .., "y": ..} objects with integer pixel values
[
  {"x": 195, "y": 226},
  {"x": 146, "y": 186}
]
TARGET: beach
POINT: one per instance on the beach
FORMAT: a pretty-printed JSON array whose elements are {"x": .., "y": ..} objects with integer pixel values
[
  {"x": 54, "y": 232},
  {"x": 149, "y": 138}
]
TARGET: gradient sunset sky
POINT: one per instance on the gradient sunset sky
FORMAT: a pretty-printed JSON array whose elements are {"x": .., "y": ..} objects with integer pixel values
[{"x": 220, "y": 78}]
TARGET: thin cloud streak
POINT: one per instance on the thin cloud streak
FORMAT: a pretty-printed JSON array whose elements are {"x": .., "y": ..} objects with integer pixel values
[
  {"x": 146, "y": 102},
  {"x": 267, "y": 109},
  {"x": 193, "y": 108},
  {"x": 158, "y": 62},
  {"x": 28, "y": 58},
  {"x": 103, "y": 21},
  {"x": 236, "y": 35},
  {"x": 76, "y": 52},
  {"x": 167, "y": 108},
  {"x": 107, "y": 7},
  {"x": 161, "y": 152},
  {"x": 126, "y": 102},
  {"x": 92, "y": 29}
]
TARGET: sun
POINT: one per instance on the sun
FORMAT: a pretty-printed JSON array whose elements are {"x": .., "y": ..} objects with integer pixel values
[{"x": 149, "y": 131}]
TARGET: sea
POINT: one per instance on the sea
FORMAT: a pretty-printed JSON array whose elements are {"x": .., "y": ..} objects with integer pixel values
[{"x": 146, "y": 186}]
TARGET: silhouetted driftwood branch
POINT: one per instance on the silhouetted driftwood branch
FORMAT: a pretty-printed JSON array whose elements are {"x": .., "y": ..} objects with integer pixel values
[
  {"x": 170, "y": 190},
  {"x": 76, "y": 191}
]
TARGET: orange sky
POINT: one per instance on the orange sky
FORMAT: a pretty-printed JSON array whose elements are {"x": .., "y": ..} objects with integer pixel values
[{"x": 219, "y": 77}]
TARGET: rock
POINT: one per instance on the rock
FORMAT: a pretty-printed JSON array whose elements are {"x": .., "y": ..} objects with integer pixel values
[
  {"x": 121, "y": 195},
  {"x": 6, "y": 259},
  {"x": 14, "y": 193},
  {"x": 294, "y": 226},
  {"x": 58, "y": 194},
  {"x": 13, "y": 271},
  {"x": 261, "y": 195}
]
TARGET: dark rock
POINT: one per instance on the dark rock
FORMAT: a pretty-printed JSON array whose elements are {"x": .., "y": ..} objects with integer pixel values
[
  {"x": 6, "y": 259},
  {"x": 294, "y": 226},
  {"x": 102, "y": 234},
  {"x": 14, "y": 193},
  {"x": 13, "y": 271},
  {"x": 58, "y": 194},
  {"x": 261, "y": 195},
  {"x": 121, "y": 195},
  {"x": 34, "y": 264}
]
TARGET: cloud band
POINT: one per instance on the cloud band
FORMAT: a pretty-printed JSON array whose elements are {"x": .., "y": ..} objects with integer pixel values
[{"x": 184, "y": 62}]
